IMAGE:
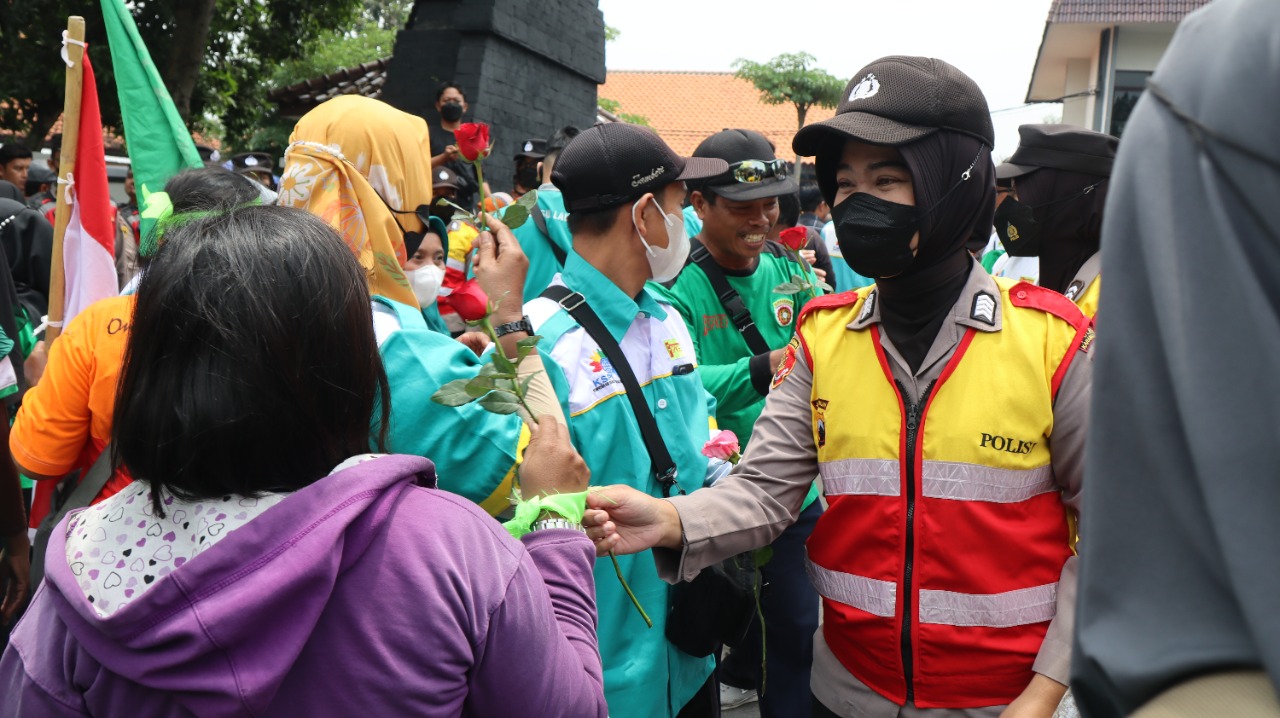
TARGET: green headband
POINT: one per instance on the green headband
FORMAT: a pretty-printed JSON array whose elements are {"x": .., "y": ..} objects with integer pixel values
[{"x": 159, "y": 207}]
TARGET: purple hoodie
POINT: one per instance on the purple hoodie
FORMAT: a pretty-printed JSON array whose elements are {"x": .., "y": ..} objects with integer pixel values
[{"x": 364, "y": 594}]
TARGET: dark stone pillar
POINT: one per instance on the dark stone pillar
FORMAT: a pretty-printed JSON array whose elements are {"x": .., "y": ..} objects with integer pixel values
[{"x": 527, "y": 68}]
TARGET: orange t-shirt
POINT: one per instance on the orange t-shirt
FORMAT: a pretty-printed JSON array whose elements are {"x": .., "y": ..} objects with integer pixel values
[{"x": 65, "y": 420}]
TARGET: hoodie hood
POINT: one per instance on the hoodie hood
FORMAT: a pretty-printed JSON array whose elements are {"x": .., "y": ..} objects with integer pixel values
[{"x": 222, "y": 632}]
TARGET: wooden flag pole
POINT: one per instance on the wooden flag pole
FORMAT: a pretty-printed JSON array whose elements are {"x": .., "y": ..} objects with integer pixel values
[{"x": 66, "y": 166}]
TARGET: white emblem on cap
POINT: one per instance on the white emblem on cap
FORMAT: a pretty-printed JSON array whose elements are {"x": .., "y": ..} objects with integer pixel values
[
  {"x": 250, "y": 161},
  {"x": 867, "y": 87},
  {"x": 443, "y": 175},
  {"x": 528, "y": 146}
]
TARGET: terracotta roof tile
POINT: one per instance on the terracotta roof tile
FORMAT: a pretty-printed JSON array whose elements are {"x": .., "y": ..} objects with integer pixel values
[
  {"x": 686, "y": 107},
  {"x": 367, "y": 80},
  {"x": 1122, "y": 11}
]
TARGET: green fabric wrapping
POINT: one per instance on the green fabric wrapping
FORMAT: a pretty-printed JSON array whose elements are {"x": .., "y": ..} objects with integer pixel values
[{"x": 569, "y": 506}]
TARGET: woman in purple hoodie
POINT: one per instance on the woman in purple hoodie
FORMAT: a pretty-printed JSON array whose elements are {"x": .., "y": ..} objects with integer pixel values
[{"x": 242, "y": 574}]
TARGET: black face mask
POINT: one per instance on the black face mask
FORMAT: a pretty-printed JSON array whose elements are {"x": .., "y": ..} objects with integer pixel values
[
  {"x": 1017, "y": 229},
  {"x": 527, "y": 176},
  {"x": 451, "y": 111},
  {"x": 875, "y": 235},
  {"x": 443, "y": 211}
]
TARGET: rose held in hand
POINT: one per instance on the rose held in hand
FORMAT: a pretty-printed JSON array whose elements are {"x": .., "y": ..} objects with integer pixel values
[
  {"x": 724, "y": 447},
  {"x": 473, "y": 141},
  {"x": 794, "y": 238},
  {"x": 469, "y": 301}
]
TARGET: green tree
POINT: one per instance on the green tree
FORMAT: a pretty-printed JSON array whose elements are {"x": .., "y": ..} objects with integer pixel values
[
  {"x": 790, "y": 78},
  {"x": 216, "y": 56}
]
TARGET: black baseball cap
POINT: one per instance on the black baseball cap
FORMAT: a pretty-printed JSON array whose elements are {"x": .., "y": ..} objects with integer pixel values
[
  {"x": 735, "y": 146},
  {"x": 534, "y": 148},
  {"x": 444, "y": 177},
  {"x": 897, "y": 100},
  {"x": 1061, "y": 147},
  {"x": 613, "y": 163}
]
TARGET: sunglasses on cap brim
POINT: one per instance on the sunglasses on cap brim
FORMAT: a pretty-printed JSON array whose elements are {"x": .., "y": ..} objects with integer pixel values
[{"x": 757, "y": 171}]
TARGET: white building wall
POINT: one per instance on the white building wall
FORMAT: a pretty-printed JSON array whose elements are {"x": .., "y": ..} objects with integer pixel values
[
  {"x": 1140, "y": 47},
  {"x": 1078, "y": 110}
]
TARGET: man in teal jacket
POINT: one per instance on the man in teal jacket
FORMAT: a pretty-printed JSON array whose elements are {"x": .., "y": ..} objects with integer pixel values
[
  {"x": 622, "y": 187},
  {"x": 741, "y": 327}
]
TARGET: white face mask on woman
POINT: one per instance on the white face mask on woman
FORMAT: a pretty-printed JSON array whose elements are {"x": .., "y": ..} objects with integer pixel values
[
  {"x": 426, "y": 281},
  {"x": 665, "y": 263}
]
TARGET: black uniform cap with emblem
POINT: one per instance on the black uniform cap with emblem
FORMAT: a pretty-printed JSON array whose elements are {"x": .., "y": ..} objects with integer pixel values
[
  {"x": 252, "y": 163},
  {"x": 444, "y": 177},
  {"x": 1061, "y": 147},
  {"x": 734, "y": 146},
  {"x": 899, "y": 99},
  {"x": 535, "y": 148}
]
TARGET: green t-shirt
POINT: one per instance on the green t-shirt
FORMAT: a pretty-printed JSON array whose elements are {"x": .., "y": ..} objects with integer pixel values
[{"x": 738, "y": 379}]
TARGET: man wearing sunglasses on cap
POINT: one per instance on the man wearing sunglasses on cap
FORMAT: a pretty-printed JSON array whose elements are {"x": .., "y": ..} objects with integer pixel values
[
  {"x": 944, "y": 556},
  {"x": 740, "y": 327},
  {"x": 625, "y": 370}
]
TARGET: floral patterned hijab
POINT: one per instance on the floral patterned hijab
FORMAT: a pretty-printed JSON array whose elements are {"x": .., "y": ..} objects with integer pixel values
[{"x": 350, "y": 159}]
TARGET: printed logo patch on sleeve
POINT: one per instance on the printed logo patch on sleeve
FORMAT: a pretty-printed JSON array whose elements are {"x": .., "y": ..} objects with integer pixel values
[
  {"x": 1087, "y": 341},
  {"x": 784, "y": 311},
  {"x": 788, "y": 362}
]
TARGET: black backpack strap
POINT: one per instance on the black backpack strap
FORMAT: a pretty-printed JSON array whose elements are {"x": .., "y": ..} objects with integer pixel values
[
  {"x": 729, "y": 299},
  {"x": 94, "y": 479},
  {"x": 664, "y": 469},
  {"x": 540, "y": 221}
]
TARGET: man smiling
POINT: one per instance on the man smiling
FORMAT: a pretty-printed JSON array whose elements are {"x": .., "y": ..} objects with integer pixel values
[{"x": 740, "y": 327}]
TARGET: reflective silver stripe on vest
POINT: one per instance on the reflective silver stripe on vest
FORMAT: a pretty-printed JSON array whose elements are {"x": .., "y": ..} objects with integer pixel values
[
  {"x": 990, "y": 610},
  {"x": 971, "y": 482},
  {"x": 865, "y": 477},
  {"x": 879, "y": 598}
]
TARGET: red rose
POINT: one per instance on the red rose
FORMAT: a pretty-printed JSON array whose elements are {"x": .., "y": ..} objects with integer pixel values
[
  {"x": 794, "y": 238},
  {"x": 473, "y": 141},
  {"x": 468, "y": 300}
]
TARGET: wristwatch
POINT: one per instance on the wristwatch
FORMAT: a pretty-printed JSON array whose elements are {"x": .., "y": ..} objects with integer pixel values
[
  {"x": 521, "y": 326},
  {"x": 544, "y": 524}
]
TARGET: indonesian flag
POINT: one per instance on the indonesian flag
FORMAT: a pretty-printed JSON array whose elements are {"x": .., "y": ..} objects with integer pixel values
[{"x": 88, "y": 247}]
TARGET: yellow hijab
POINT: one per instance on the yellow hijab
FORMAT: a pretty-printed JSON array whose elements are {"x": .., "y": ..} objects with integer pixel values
[{"x": 345, "y": 158}]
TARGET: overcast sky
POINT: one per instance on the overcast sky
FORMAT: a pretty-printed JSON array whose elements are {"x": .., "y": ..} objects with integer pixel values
[{"x": 992, "y": 41}]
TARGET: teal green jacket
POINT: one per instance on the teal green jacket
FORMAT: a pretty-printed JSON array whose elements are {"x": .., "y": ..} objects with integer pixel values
[
  {"x": 474, "y": 450},
  {"x": 538, "y": 247},
  {"x": 738, "y": 379},
  {"x": 644, "y": 675}
]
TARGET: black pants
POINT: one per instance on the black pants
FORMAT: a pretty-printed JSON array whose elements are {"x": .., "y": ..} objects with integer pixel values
[
  {"x": 821, "y": 711},
  {"x": 790, "y": 607},
  {"x": 705, "y": 703}
]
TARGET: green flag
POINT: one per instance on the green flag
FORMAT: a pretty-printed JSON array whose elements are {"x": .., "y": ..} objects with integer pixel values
[{"x": 159, "y": 144}]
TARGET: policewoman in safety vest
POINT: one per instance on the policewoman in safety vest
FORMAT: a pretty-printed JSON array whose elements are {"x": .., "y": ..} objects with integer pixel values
[
  {"x": 1059, "y": 176},
  {"x": 944, "y": 559}
]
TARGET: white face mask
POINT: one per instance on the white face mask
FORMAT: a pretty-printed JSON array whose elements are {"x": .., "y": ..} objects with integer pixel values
[
  {"x": 665, "y": 263},
  {"x": 426, "y": 281}
]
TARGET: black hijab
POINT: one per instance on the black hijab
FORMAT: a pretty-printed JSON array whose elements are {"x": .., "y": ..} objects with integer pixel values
[
  {"x": 914, "y": 304},
  {"x": 1071, "y": 225}
]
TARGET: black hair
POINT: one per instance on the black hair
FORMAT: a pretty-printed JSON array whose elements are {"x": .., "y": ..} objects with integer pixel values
[
  {"x": 444, "y": 87},
  {"x": 251, "y": 364},
  {"x": 810, "y": 198},
  {"x": 788, "y": 210},
  {"x": 13, "y": 151},
  {"x": 561, "y": 138},
  {"x": 209, "y": 189},
  {"x": 595, "y": 222}
]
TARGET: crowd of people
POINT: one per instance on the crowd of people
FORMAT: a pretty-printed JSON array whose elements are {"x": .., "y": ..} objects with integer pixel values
[{"x": 833, "y": 446}]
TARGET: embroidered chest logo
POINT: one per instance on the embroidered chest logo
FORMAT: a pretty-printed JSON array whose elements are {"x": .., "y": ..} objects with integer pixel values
[
  {"x": 866, "y": 87},
  {"x": 984, "y": 308},
  {"x": 714, "y": 321},
  {"x": 674, "y": 350},
  {"x": 820, "y": 420},
  {"x": 1007, "y": 444},
  {"x": 788, "y": 363},
  {"x": 602, "y": 374},
  {"x": 784, "y": 311}
]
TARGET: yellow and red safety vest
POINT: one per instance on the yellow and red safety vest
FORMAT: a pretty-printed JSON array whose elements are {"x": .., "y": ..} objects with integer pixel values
[{"x": 939, "y": 557}]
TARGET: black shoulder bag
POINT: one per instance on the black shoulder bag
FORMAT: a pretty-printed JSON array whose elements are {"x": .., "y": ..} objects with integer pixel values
[
  {"x": 715, "y": 607},
  {"x": 540, "y": 221},
  {"x": 729, "y": 299}
]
